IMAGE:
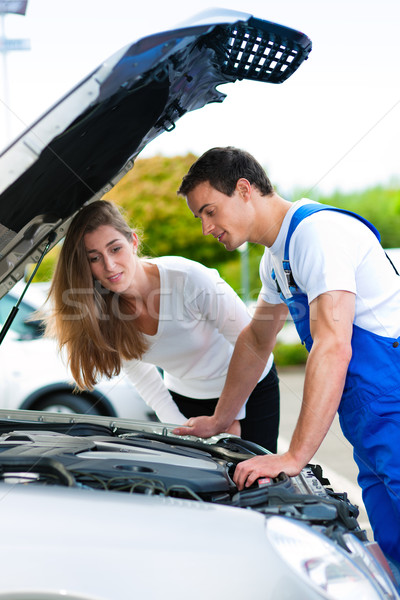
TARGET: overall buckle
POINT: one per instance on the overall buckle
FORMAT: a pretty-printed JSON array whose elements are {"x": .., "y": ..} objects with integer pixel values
[{"x": 289, "y": 275}]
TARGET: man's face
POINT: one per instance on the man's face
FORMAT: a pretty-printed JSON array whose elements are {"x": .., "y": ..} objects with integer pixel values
[{"x": 221, "y": 216}]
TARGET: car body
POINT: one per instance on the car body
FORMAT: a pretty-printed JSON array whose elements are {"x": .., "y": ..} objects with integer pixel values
[
  {"x": 106, "y": 509},
  {"x": 35, "y": 377},
  {"x": 95, "y": 507}
]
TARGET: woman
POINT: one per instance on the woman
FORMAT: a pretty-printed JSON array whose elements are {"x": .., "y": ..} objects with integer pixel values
[{"x": 114, "y": 311}]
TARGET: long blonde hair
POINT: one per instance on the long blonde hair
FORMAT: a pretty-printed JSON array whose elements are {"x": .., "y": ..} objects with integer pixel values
[{"x": 92, "y": 324}]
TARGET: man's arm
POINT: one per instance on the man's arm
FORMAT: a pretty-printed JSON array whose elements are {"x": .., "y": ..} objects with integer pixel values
[
  {"x": 252, "y": 349},
  {"x": 331, "y": 321}
]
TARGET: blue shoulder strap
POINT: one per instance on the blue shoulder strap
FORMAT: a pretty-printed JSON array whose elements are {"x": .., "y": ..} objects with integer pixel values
[{"x": 308, "y": 209}]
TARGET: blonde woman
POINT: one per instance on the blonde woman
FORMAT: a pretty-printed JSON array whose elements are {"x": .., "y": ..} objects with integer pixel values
[{"x": 114, "y": 311}]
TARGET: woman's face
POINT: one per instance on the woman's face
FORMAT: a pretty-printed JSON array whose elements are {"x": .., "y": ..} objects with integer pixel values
[{"x": 112, "y": 258}]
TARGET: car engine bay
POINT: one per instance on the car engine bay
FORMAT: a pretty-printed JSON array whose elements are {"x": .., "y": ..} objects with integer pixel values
[{"x": 114, "y": 459}]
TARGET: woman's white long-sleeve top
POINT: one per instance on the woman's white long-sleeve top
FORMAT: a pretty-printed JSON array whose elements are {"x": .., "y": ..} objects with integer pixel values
[{"x": 200, "y": 318}]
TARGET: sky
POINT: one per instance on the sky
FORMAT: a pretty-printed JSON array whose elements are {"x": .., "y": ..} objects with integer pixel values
[{"x": 333, "y": 126}]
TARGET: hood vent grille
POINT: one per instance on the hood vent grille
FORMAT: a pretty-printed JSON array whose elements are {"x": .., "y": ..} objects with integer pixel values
[{"x": 270, "y": 54}]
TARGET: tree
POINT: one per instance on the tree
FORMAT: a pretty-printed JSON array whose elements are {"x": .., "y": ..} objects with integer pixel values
[{"x": 148, "y": 196}]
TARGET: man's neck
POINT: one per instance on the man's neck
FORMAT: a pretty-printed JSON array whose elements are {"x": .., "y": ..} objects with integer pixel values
[{"x": 270, "y": 211}]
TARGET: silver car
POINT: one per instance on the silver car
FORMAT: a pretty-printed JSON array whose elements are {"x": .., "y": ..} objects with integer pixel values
[{"x": 99, "y": 508}]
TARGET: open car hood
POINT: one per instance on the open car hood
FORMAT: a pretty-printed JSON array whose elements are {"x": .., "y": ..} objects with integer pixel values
[{"x": 86, "y": 142}]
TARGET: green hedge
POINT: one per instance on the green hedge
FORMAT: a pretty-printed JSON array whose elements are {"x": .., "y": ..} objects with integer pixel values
[{"x": 290, "y": 354}]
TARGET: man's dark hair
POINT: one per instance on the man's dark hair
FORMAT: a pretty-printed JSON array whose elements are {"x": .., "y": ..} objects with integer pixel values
[{"x": 222, "y": 167}]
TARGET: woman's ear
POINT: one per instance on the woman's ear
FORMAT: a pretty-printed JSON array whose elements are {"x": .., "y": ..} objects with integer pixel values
[{"x": 135, "y": 241}]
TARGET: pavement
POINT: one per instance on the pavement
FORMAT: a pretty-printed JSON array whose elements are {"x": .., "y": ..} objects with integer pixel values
[{"x": 335, "y": 454}]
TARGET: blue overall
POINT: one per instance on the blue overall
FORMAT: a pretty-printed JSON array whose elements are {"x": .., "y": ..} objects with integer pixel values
[{"x": 369, "y": 410}]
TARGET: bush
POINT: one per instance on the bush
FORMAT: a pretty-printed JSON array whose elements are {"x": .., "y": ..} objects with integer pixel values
[{"x": 290, "y": 354}]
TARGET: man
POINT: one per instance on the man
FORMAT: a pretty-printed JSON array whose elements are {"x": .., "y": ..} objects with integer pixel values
[{"x": 328, "y": 268}]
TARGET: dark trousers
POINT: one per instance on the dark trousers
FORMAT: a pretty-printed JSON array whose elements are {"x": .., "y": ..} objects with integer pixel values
[{"x": 261, "y": 424}]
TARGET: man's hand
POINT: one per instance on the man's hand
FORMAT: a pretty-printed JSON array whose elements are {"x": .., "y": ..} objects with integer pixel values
[
  {"x": 248, "y": 471},
  {"x": 204, "y": 427},
  {"x": 235, "y": 428}
]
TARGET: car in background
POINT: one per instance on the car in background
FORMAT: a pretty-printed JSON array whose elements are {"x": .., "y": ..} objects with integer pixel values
[
  {"x": 35, "y": 377},
  {"x": 99, "y": 508}
]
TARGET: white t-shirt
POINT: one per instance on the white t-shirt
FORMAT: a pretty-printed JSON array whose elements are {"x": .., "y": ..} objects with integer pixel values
[
  {"x": 333, "y": 251},
  {"x": 199, "y": 321}
]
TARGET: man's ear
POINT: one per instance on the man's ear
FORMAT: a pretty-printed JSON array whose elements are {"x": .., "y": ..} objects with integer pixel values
[{"x": 243, "y": 186}]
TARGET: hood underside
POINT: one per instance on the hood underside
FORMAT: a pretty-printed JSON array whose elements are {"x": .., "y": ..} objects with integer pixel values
[{"x": 85, "y": 143}]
